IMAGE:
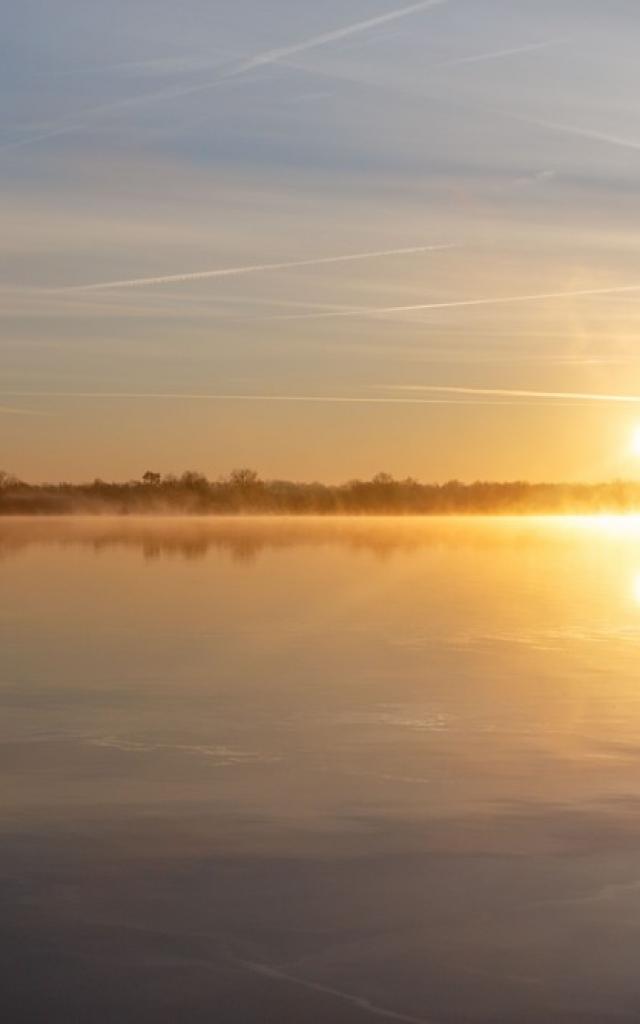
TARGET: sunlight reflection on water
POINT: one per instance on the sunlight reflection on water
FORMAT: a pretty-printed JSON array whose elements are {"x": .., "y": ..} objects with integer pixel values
[{"x": 344, "y": 763}]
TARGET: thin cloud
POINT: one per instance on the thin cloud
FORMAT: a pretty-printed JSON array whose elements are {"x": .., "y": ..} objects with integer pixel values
[
  {"x": 139, "y": 282},
  {"x": 458, "y": 303},
  {"x": 575, "y": 396}
]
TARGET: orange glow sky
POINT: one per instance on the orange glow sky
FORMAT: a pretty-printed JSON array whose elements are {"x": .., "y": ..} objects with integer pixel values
[{"x": 320, "y": 240}]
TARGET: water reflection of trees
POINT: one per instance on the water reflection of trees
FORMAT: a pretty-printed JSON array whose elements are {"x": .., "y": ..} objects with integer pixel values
[{"x": 244, "y": 538}]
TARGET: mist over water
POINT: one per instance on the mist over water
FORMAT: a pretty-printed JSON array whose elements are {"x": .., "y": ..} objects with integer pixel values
[{"x": 320, "y": 770}]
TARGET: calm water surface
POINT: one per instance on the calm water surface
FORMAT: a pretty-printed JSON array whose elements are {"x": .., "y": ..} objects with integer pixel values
[{"x": 320, "y": 771}]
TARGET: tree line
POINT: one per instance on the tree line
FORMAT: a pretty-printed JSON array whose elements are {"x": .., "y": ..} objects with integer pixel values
[{"x": 244, "y": 492}]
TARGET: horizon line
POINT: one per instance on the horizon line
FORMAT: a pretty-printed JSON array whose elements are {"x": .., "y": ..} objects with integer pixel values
[{"x": 380, "y": 477}]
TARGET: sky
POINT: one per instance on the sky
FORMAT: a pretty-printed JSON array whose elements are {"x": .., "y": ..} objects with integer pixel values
[{"x": 320, "y": 240}]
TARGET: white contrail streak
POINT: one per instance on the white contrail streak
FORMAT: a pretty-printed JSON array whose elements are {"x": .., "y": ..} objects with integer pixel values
[
  {"x": 139, "y": 282},
  {"x": 458, "y": 303},
  {"x": 52, "y": 133},
  {"x": 359, "y": 1001},
  {"x": 476, "y": 58},
  {"x": 273, "y": 56},
  {"x": 583, "y": 133},
  {"x": 69, "y": 127},
  {"x": 158, "y": 65},
  {"x": 249, "y": 64},
  {"x": 560, "y": 126},
  {"x": 465, "y": 397},
  {"x": 9, "y": 410},
  {"x": 578, "y": 396}
]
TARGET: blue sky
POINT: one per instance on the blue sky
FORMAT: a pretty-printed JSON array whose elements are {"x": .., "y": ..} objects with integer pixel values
[{"x": 499, "y": 140}]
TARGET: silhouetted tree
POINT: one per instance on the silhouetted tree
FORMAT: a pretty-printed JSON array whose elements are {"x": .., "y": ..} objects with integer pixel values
[
  {"x": 193, "y": 480},
  {"x": 243, "y": 478},
  {"x": 8, "y": 480},
  {"x": 243, "y": 491}
]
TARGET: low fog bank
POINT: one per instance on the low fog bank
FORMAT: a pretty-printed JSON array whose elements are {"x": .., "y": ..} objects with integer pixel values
[{"x": 243, "y": 492}]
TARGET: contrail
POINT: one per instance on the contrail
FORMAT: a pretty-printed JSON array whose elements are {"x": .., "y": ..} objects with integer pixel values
[
  {"x": 272, "y": 56},
  {"x": 159, "y": 65},
  {"x": 69, "y": 127},
  {"x": 583, "y": 133},
  {"x": 463, "y": 399},
  {"x": 457, "y": 303},
  {"x": 257, "y": 61},
  {"x": 359, "y": 1001},
  {"x": 579, "y": 396},
  {"x": 476, "y": 58},
  {"x": 560, "y": 126},
  {"x": 139, "y": 282},
  {"x": 52, "y": 133},
  {"x": 8, "y": 410},
  {"x": 404, "y": 90}
]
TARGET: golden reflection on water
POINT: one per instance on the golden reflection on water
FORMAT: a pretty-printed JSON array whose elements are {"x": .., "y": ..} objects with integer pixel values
[
  {"x": 435, "y": 723},
  {"x": 194, "y": 536}
]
